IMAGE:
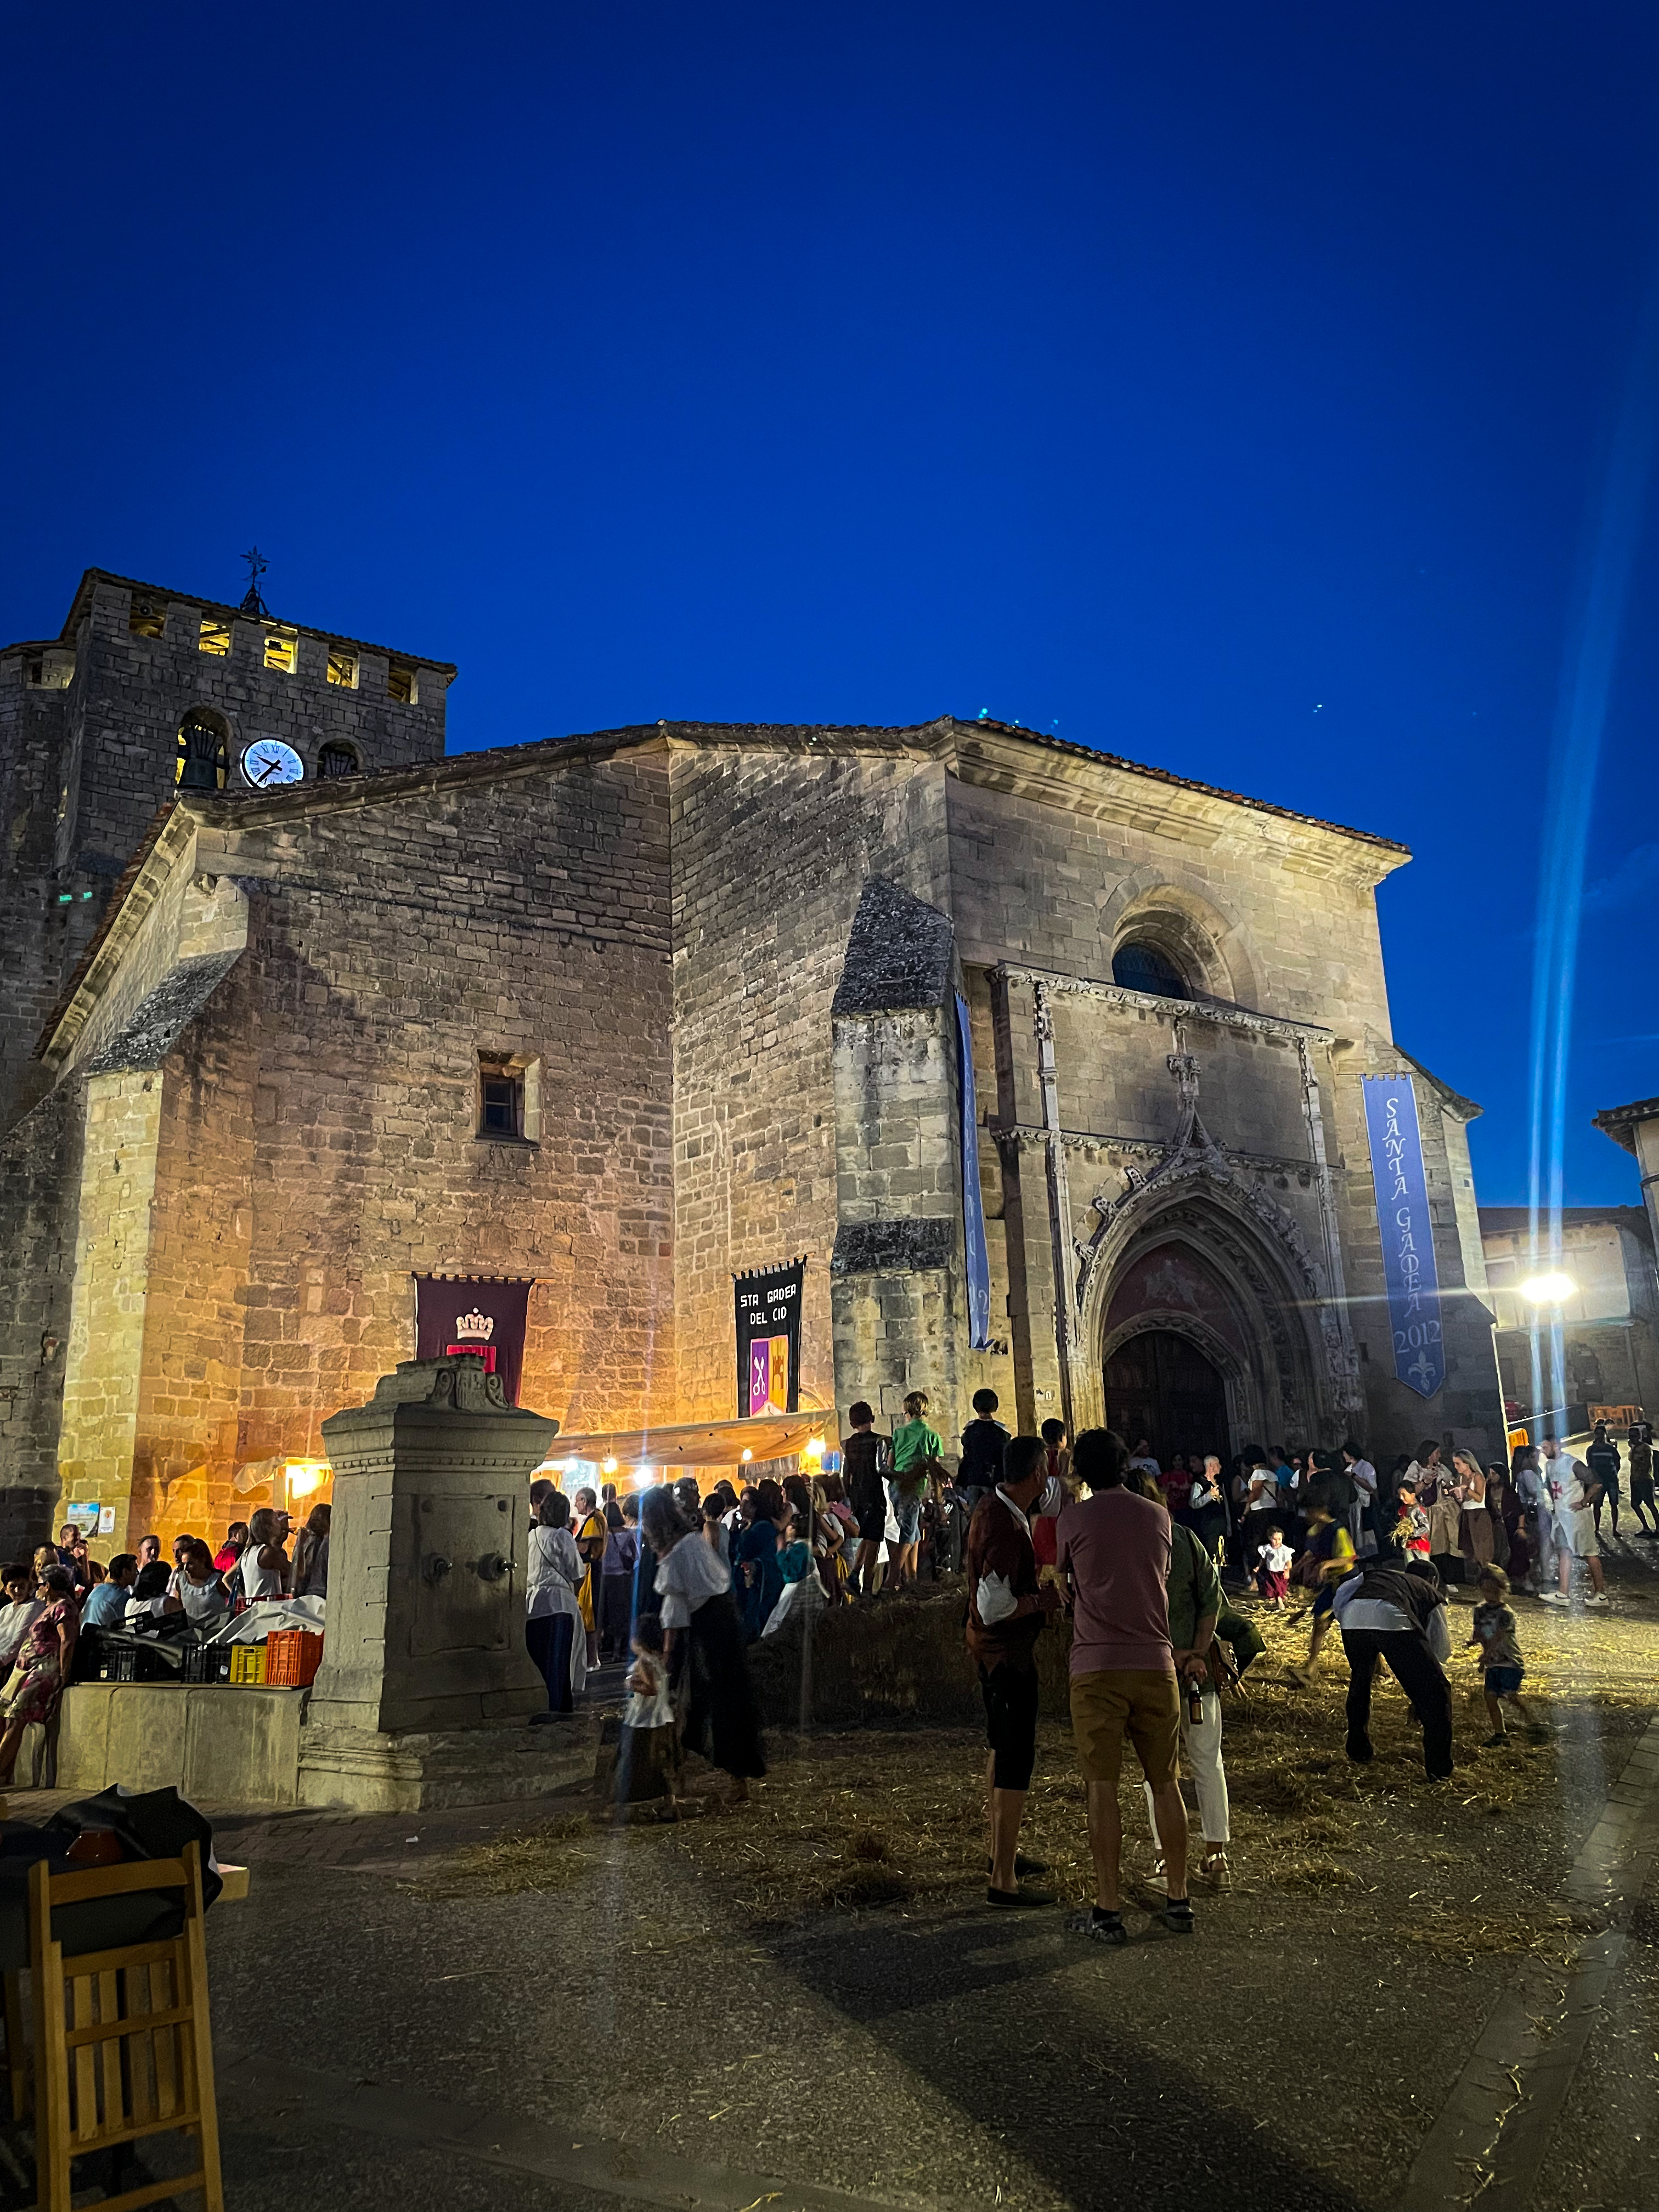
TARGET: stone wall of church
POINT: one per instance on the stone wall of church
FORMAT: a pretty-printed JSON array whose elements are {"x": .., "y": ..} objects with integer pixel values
[
  {"x": 1047, "y": 882},
  {"x": 40, "y": 936},
  {"x": 896, "y": 1298},
  {"x": 391, "y": 947},
  {"x": 39, "y": 1173},
  {"x": 771, "y": 851},
  {"x": 317, "y": 1126},
  {"x": 1249, "y": 917},
  {"x": 105, "y": 1370}
]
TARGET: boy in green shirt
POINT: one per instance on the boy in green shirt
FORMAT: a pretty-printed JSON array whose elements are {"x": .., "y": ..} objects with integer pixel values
[{"x": 917, "y": 1457}]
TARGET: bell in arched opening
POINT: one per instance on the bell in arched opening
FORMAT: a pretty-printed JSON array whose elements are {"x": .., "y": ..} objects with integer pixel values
[
  {"x": 338, "y": 759},
  {"x": 203, "y": 758}
]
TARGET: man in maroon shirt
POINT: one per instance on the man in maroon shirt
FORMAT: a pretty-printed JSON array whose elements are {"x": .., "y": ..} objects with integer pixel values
[
  {"x": 1006, "y": 1608},
  {"x": 1113, "y": 1550}
]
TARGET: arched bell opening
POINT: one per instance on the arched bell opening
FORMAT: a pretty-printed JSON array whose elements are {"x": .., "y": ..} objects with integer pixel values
[{"x": 202, "y": 757}]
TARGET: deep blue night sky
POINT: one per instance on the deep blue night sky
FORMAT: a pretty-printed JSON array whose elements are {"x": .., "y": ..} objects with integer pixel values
[{"x": 1229, "y": 387}]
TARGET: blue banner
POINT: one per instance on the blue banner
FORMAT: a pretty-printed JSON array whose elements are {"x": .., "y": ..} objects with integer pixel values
[
  {"x": 973, "y": 1205},
  {"x": 1402, "y": 1216}
]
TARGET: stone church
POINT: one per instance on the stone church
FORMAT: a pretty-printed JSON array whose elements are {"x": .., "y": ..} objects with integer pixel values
[{"x": 1048, "y": 1066}]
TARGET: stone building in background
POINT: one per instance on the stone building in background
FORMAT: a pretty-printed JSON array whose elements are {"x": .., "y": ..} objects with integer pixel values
[
  {"x": 625, "y": 1015},
  {"x": 1609, "y": 1324}
]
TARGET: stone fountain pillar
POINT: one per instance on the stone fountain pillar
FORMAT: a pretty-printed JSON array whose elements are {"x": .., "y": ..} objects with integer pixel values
[{"x": 426, "y": 1689}]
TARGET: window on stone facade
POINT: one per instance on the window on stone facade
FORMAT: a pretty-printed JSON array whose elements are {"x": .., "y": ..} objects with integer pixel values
[
  {"x": 343, "y": 668},
  {"x": 282, "y": 650},
  {"x": 501, "y": 1098},
  {"x": 401, "y": 683},
  {"x": 1139, "y": 966},
  {"x": 51, "y": 671},
  {"x": 215, "y": 635},
  {"x": 509, "y": 1098},
  {"x": 147, "y": 617},
  {"x": 203, "y": 757},
  {"x": 337, "y": 758}
]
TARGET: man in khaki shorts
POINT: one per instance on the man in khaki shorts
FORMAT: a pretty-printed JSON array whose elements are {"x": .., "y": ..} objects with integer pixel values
[{"x": 1113, "y": 1548}]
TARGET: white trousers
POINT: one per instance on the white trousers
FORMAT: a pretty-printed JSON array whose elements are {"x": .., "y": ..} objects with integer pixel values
[
  {"x": 1200, "y": 1750},
  {"x": 1544, "y": 1527}
]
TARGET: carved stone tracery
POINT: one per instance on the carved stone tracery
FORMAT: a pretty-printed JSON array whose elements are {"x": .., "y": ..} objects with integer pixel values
[{"x": 1202, "y": 1194}]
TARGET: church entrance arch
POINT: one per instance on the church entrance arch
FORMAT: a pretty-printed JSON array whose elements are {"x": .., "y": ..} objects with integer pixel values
[
  {"x": 1192, "y": 1264},
  {"x": 1163, "y": 1387}
]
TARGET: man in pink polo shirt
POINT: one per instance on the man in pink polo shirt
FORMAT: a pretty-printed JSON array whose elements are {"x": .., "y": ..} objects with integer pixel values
[{"x": 1113, "y": 1547}]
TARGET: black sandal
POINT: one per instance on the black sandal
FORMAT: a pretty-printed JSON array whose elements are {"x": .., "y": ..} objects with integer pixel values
[
  {"x": 1178, "y": 1916},
  {"x": 1102, "y": 1927}
]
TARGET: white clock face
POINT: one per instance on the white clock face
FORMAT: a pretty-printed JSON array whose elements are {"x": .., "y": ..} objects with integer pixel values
[{"x": 268, "y": 762}]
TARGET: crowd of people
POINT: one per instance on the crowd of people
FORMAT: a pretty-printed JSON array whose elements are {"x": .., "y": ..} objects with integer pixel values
[
  {"x": 1535, "y": 1517},
  {"x": 63, "y": 1590},
  {"x": 1141, "y": 1578},
  {"x": 1151, "y": 1563}
]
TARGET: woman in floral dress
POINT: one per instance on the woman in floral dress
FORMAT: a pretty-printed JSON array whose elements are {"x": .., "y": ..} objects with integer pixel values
[{"x": 45, "y": 1664}]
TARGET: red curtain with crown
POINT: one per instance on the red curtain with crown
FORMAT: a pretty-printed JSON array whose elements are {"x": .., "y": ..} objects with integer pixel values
[{"x": 474, "y": 1313}]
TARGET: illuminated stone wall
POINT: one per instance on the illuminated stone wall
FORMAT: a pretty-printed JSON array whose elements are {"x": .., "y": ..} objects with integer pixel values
[
  {"x": 311, "y": 1140},
  {"x": 110, "y": 1311},
  {"x": 774, "y": 833},
  {"x": 265, "y": 1113},
  {"x": 1054, "y": 861},
  {"x": 39, "y": 1172}
]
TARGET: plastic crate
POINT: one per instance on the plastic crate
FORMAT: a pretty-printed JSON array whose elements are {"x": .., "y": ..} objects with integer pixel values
[
  {"x": 208, "y": 1663},
  {"x": 292, "y": 1657},
  {"x": 247, "y": 1664}
]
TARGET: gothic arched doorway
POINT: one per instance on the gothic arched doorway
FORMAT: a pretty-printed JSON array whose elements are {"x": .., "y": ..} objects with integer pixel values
[{"x": 1161, "y": 1386}]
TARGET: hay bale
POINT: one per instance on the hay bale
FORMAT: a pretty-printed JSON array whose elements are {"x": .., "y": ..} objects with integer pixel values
[{"x": 894, "y": 1659}]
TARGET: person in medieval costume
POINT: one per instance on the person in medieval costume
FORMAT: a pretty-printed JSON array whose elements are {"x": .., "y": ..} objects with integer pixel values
[
  {"x": 591, "y": 1531},
  {"x": 1476, "y": 1536},
  {"x": 721, "y": 1721}
]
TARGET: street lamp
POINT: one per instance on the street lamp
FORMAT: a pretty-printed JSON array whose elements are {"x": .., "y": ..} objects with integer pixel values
[{"x": 1548, "y": 1290}]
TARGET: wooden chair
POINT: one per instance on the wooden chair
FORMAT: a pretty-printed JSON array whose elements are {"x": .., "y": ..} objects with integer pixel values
[{"x": 122, "y": 2047}]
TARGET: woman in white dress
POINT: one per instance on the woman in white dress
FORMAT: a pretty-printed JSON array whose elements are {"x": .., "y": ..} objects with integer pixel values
[{"x": 553, "y": 1632}]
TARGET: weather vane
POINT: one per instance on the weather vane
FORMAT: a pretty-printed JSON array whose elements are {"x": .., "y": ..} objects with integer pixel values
[{"x": 257, "y": 565}]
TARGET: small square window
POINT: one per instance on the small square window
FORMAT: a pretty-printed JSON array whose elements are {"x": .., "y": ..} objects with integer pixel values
[
  {"x": 282, "y": 650},
  {"x": 215, "y": 635},
  {"x": 343, "y": 669},
  {"x": 500, "y": 1099},
  {"x": 509, "y": 1098},
  {"x": 147, "y": 618},
  {"x": 401, "y": 685}
]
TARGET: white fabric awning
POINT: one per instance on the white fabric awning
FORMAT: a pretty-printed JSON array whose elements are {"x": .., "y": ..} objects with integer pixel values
[{"x": 700, "y": 1444}]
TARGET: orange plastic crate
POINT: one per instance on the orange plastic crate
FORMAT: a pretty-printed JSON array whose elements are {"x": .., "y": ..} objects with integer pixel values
[{"x": 292, "y": 1658}]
